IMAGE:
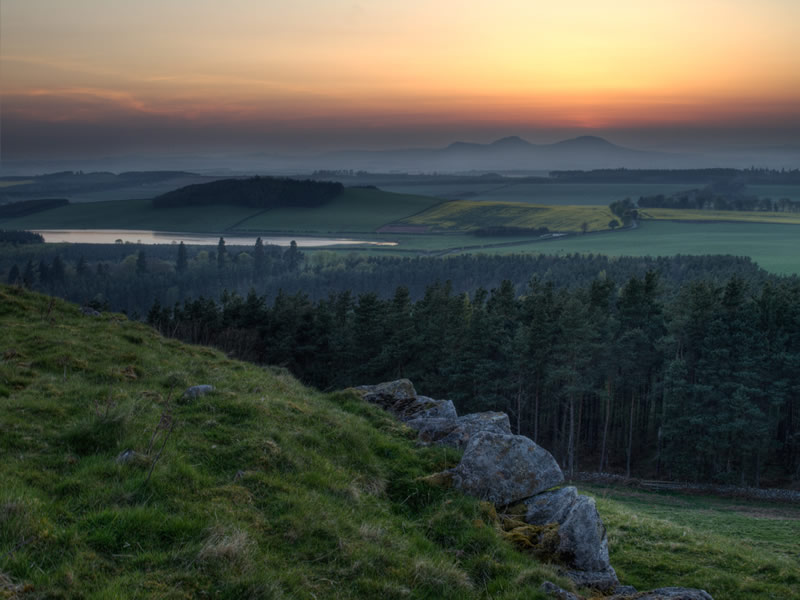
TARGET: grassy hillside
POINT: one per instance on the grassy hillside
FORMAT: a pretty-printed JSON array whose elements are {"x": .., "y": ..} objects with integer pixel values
[
  {"x": 264, "y": 488},
  {"x": 467, "y": 215},
  {"x": 356, "y": 210}
]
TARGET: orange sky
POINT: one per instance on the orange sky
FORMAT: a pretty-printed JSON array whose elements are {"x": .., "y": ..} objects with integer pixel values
[{"x": 515, "y": 65}]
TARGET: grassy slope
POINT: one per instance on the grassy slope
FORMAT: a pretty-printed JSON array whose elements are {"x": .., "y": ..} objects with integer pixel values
[
  {"x": 466, "y": 215},
  {"x": 132, "y": 214},
  {"x": 730, "y": 547},
  {"x": 326, "y": 504},
  {"x": 266, "y": 489},
  {"x": 357, "y": 210}
]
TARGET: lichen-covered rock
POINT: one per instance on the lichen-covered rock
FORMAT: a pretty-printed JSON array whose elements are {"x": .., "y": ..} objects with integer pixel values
[
  {"x": 198, "y": 390},
  {"x": 505, "y": 468},
  {"x": 428, "y": 408},
  {"x": 604, "y": 580},
  {"x": 551, "y": 589},
  {"x": 583, "y": 542},
  {"x": 550, "y": 507},
  {"x": 667, "y": 593},
  {"x": 388, "y": 393},
  {"x": 457, "y": 433}
]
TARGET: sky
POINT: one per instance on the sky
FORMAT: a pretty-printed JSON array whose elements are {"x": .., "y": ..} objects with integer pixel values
[{"x": 106, "y": 77}]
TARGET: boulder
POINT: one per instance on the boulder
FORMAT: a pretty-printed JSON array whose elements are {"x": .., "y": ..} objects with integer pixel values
[
  {"x": 668, "y": 593},
  {"x": 505, "y": 468},
  {"x": 604, "y": 580},
  {"x": 583, "y": 544},
  {"x": 627, "y": 592},
  {"x": 428, "y": 408},
  {"x": 198, "y": 390},
  {"x": 388, "y": 393},
  {"x": 457, "y": 433},
  {"x": 551, "y": 589}
]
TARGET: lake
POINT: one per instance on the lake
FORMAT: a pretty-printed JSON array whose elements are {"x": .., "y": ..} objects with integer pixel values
[{"x": 121, "y": 236}]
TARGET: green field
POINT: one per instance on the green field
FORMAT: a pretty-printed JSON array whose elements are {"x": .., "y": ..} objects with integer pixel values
[
  {"x": 750, "y": 216},
  {"x": 732, "y": 548},
  {"x": 357, "y": 210},
  {"x": 543, "y": 193},
  {"x": 773, "y": 247},
  {"x": 468, "y": 215}
]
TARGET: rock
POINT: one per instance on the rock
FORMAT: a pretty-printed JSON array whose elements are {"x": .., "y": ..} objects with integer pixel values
[
  {"x": 551, "y": 589},
  {"x": 198, "y": 390},
  {"x": 668, "y": 593},
  {"x": 387, "y": 394},
  {"x": 457, "y": 433},
  {"x": 604, "y": 580},
  {"x": 126, "y": 456},
  {"x": 434, "y": 409},
  {"x": 89, "y": 311},
  {"x": 624, "y": 590},
  {"x": 505, "y": 468},
  {"x": 583, "y": 544},
  {"x": 550, "y": 507}
]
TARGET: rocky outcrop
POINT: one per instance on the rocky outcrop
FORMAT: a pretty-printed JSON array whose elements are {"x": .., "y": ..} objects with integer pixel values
[
  {"x": 458, "y": 431},
  {"x": 627, "y": 592},
  {"x": 560, "y": 526},
  {"x": 583, "y": 543},
  {"x": 505, "y": 468}
]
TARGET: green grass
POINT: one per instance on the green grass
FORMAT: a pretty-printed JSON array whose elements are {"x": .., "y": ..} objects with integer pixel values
[
  {"x": 265, "y": 489},
  {"x": 132, "y": 214},
  {"x": 544, "y": 193},
  {"x": 468, "y": 215},
  {"x": 733, "y": 548},
  {"x": 773, "y": 247},
  {"x": 355, "y": 211},
  {"x": 674, "y": 214}
]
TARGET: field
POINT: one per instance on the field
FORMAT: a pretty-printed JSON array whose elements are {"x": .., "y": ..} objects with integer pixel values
[
  {"x": 543, "y": 193},
  {"x": 468, "y": 215},
  {"x": 673, "y": 214},
  {"x": 364, "y": 211},
  {"x": 773, "y": 247},
  {"x": 357, "y": 210},
  {"x": 733, "y": 548}
]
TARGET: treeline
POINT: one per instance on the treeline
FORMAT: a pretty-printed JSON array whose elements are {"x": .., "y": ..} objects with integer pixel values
[
  {"x": 19, "y": 237},
  {"x": 257, "y": 192},
  {"x": 748, "y": 176},
  {"x": 129, "y": 277},
  {"x": 706, "y": 199},
  {"x": 29, "y": 207},
  {"x": 703, "y": 385}
]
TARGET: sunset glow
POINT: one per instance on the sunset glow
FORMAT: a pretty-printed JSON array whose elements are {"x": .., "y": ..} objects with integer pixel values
[{"x": 336, "y": 68}]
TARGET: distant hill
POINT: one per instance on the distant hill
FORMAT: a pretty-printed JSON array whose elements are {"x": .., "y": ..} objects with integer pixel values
[
  {"x": 256, "y": 192},
  {"x": 506, "y": 154}
]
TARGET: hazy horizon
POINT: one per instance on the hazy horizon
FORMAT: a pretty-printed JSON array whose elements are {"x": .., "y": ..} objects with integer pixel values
[{"x": 93, "y": 79}]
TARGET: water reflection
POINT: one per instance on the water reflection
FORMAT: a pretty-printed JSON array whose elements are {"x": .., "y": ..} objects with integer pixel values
[{"x": 121, "y": 236}]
